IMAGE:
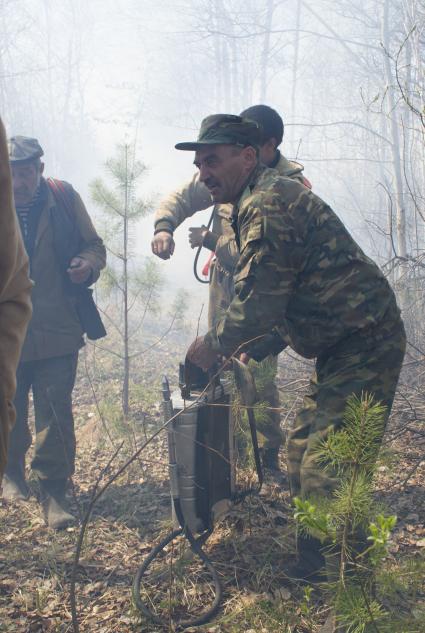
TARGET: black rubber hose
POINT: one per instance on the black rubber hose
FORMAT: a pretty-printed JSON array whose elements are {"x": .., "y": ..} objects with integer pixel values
[
  {"x": 198, "y": 252},
  {"x": 141, "y": 571},
  {"x": 196, "y": 547},
  {"x": 207, "y": 615}
]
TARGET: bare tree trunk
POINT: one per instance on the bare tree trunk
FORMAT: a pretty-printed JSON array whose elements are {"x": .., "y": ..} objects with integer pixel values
[
  {"x": 385, "y": 196},
  {"x": 3, "y": 48},
  {"x": 50, "y": 82},
  {"x": 265, "y": 53},
  {"x": 224, "y": 71},
  {"x": 295, "y": 68},
  {"x": 395, "y": 149},
  {"x": 218, "y": 56},
  {"x": 234, "y": 73},
  {"x": 126, "y": 379}
]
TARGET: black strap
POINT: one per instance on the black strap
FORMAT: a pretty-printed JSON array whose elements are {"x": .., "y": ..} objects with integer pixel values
[
  {"x": 64, "y": 193},
  {"x": 67, "y": 237}
]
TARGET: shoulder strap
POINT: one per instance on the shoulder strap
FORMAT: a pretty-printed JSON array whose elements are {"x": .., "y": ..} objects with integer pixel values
[
  {"x": 64, "y": 193},
  {"x": 67, "y": 236},
  {"x": 66, "y": 245}
]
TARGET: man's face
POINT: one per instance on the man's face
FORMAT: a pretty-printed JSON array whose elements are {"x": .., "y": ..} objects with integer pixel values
[
  {"x": 26, "y": 178},
  {"x": 224, "y": 170}
]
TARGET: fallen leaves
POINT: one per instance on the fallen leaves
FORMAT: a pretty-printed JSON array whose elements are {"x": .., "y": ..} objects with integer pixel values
[{"x": 250, "y": 548}]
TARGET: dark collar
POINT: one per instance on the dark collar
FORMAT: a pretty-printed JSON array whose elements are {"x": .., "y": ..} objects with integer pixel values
[{"x": 276, "y": 160}]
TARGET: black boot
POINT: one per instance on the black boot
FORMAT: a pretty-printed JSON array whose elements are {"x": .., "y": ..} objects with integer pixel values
[
  {"x": 14, "y": 485},
  {"x": 54, "y": 504},
  {"x": 310, "y": 567},
  {"x": 271, "y": 459}
]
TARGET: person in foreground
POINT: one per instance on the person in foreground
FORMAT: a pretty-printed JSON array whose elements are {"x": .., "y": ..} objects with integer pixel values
[
  {"x": 301, "y": 280},
  {"x": 66, "y": 254},
  {"x": 220, "y": 240},
  {"x": 15, "y": 303}
]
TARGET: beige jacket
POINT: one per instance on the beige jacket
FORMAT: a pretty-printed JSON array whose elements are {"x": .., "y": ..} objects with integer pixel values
[
  {"x": 15, "y": 304},
  {"x": 55, "y": 329},
  {"x": 194, "y": 196}
]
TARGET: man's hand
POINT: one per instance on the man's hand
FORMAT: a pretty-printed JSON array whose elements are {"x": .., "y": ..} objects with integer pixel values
[
  {"x": 244, "y": 358},
  {"x": 196, "y": 235},
  {"x": 163, "y": 244},
  {"x": 79, "y": 270},
  {"x": 201, "y": 354}
]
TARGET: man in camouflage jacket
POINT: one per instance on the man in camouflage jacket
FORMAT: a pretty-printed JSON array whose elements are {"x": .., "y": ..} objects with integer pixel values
[
  {"x": 220, "y": 239},
  {"x": 301, "y": 280}
]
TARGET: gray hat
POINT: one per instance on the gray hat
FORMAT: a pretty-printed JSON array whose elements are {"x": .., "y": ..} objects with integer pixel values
[
  {"x": 23, "y": 149},
  {"x": 225, "y": 129}
]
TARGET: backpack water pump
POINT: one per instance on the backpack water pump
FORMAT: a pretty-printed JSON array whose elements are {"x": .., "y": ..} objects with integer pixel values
[{"x": 202, "y": 476}]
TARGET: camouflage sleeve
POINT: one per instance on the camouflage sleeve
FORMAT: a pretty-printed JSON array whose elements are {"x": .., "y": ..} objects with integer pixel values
[
  {"x": 93, "y": 249},
  {"x": 182, "y": 204},
  {"x": 224, "y": 245},
  {"x": 270, "y": 259},
  {"x": 227, "y": 252}
]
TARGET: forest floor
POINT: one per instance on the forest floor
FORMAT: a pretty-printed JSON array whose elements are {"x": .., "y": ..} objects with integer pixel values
[{"x": 250, "y": 548}]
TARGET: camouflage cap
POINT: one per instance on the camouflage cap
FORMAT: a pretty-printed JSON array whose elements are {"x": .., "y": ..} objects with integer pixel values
[
  {"x": 225, "y": 129},
  {"x": 23, "y": 149}
]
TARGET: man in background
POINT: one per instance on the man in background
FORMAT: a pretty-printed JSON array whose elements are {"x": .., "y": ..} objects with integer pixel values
[
  {"x": 66, "y": 255},
  {"x": 220, "y": 240},
  {"x": 15, "y": 303}
]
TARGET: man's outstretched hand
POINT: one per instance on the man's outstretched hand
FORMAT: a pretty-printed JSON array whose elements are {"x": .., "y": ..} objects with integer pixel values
[
  {"x": 163, "y": 244},
  {"x": 201, "y": 354}
]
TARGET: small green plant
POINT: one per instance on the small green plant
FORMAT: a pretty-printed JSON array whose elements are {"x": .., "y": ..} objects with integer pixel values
[
  {"x": 313, "y": 520},
  {"x": 305, "y": 604},
  {"x": 351, "y": 525},
  {"x": 380, "y": 533},
  {"x": 358, "y": 613}
]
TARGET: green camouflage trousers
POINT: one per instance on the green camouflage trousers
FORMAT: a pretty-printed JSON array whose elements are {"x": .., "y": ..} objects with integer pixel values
[
  {"x": 220, "y": 295},
  {"x": 221, "y": 291},
  {"x": 265, "y": 380},
  {"x": 361, "y": 365}
]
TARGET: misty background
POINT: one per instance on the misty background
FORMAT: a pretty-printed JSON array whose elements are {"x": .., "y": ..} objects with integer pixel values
[{"x": 347, "y": 78}]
